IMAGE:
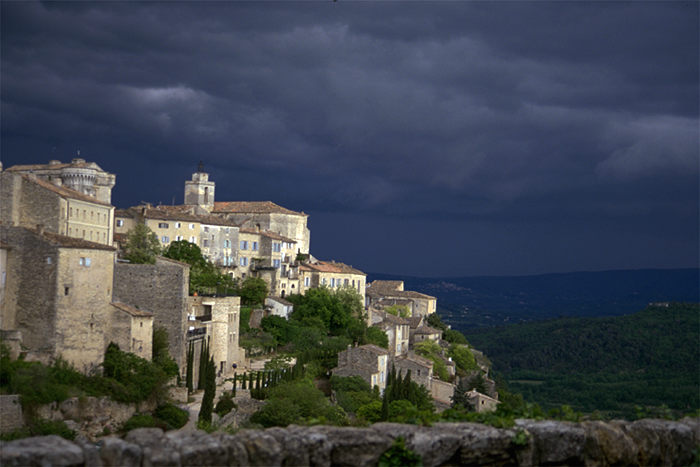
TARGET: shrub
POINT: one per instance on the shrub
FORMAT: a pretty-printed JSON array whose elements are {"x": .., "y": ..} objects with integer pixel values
[
  {"x": 173, "y": 416},
  {"x": 225, "y": 404},
  {"x": 399, "y": 456},
  {"x": 142, "y": 421}
]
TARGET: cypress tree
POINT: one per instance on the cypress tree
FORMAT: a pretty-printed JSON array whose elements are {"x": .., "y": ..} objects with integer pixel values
[
  {"x": 235, "y": 378},
  {"x": 209, "y": 391},
  {"x": 243, "y": 380},
  {"x": 189, "y": 372},
  {"x": 385, "y": 405},
  {"x": 250, "y": 382}
]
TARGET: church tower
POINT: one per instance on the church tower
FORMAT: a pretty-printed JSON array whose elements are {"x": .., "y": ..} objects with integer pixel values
[{"x": 200, "y": 191}]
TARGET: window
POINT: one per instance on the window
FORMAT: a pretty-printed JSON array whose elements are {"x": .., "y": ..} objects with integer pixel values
[
  {"x": 244, "y": 245},
  {"x": 307, "y": 281},
  {"x": 205, "y": 242},
  {"x": 193, "y": 240},
  {"x": 66, "y": 290},
  {"x": 120, "y": 222},
  {"x": 255, "y": 246},
  {"x": 71, "y": 212},
  {"x": 276, "y": 263},
  {"x": 346, "y": 282},
  {"x": 276, "y": 247},
  {"x": 332, "y": 282},
  {"x": 243, "y": 261},
  {"x": 165, "y": 239},
  {"x": 206, "y": 229},
  {"x": 163, "y": 225},
  {"x": 191, "y": 226},
  {"x": 85, "y": 261},
  {"x": 178, "y": 225},
  {"x": 49, "y": 260},
  {"x": 323, "y": 281},
  {"x": 227, "y": 243},
  {"x": 226, "y": 230},
  {"x": 178, "y": 238}
]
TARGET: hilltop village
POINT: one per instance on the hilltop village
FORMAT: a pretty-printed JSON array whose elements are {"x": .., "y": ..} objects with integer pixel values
[{"x": 66, "y": 290}]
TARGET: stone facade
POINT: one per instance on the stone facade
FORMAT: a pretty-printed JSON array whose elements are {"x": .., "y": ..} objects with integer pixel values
[
  {"x": 397, "y": 330},
  {"x": 279, "y": 307},
  {"x": 421, "y": 368},
  {"x": 57, "y": 295},
  {"x": 219, "y": 318},
  {"x": 10, "y": 413},
  {"x": 367, "y": 361},
  {"x": 162, "y": 289},
  {"x": 331, "y": 274},
  {"x": 383, "y": 293},
  {"x": 132, "y": 330},
  {"x": 29, "y": 201}
]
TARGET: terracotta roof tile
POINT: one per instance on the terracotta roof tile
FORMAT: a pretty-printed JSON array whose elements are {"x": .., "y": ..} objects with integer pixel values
[
  {"x": 333, "y": 267},
  {"x": 253, "y": 207}
]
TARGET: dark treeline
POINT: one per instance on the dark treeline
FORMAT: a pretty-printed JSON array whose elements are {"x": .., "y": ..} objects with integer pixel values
[{"x": 640, "y": 364}]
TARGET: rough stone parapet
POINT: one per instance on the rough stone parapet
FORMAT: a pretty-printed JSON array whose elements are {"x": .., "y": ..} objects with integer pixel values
[{"x": 528, "y": 443}]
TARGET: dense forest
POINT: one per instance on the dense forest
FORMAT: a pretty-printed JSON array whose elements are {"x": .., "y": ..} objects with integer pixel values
[{"x": 646, "y": 363}]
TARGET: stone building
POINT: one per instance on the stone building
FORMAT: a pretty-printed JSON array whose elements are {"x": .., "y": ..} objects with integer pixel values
[
  {"x": 132, "y": 330},
  {"x": 216, "y": 320},
  {"x": 425, "y": 332},
  {"x": 331, "y": 274},
  {"x": 481, "y": 402},
  {"x": 276, "y": 306},
  {"x": 162, "y": 289},
  {"x": 397, "y": 330},
  {"x": 421, "y": 368},
  {"x": 84, "y": 177},
  {"x": 366, "y": 361},
  {"x": 29, "y": 201},
  {"x": 385, "y": 293},
  {"x": 58, "y": 296}
]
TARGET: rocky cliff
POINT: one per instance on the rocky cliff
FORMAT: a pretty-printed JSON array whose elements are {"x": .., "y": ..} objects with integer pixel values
[{"x": 643, "y": 442}]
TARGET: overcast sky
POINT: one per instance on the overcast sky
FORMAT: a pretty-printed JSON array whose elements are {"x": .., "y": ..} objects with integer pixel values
[{"x": 427, "y": 139}]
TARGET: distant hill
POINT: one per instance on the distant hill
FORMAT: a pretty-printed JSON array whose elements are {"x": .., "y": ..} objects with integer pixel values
[
  {"x": 468, "y": 302},
  {"x": 612, "y": 364}
]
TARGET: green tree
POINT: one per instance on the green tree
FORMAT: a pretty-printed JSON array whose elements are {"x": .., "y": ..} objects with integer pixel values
[
  {"x": 204, "y": 276},
  {"x": 209, "y": 392},
  {"x": 398, "y": 310},
  {"x": 161, "y": 355},
  {"x": 253, "y": 291},
  {"x": 377, "y": 337},
  {"x": 142, "y": 245}
]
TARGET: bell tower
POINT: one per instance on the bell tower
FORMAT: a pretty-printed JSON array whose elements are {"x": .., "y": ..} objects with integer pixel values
[{"x": 200, "y": 191}]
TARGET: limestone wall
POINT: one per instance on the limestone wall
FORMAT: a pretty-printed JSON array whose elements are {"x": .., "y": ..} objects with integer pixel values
[
  {"x": 162, "y": 289},
  {"x": 10, "y": 413},
  {"x": 644, "y": 442}
]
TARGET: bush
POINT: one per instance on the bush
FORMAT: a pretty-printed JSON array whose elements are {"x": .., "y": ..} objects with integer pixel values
[
  {"x": 399, "y": 456},
  {"x": 40, "y": 427},
  {"x": 142, "y": 421},
  {"x": 173, "y": 416},
  {"x": 225, "y": 404}
]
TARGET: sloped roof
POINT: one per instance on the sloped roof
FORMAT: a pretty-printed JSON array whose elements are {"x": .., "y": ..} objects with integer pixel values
[
  {"x": 393, "y": 286},
  {"x": 252, "y": 207},
  {"x": 268, "y": 234},
  {"x": 332, "y": 267},
  {"x": 132, "y": 311},
  {"x": 70, "y": 242},
  {"x": 423, "y": 329},
  {"x": 63, "y": 191}
]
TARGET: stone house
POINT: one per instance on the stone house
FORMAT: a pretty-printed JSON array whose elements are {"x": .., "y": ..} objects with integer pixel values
[
  {"x": 29, "y": 201},
  {"x": 384, "y": 293},
  {"x": 367, "y": 361},
  {"x": 331, "y": 274},
  {"x": 421, "y": 368},
  {"x": 425, "y": 332},
  {"x": 132, "y": 330},
  {"x": 481, "y": 402},
  {"x": 216, "y": 320},
  {"x": 58, "y": 297},
  {"x": 397, "y": 330},
  {"x": 279, "y": 307}
]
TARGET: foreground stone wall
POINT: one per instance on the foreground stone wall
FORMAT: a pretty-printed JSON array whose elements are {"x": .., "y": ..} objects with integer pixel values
[{"x": 644, "y": 442}]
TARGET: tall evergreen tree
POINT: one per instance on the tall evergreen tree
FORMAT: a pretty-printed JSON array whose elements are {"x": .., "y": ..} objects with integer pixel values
[
  {"x": 209, "y": 392},
  {"x": 190, "y": 371}
]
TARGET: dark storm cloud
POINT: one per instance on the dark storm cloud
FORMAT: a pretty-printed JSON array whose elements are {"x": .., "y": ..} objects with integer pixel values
[{"x": 476, "y": 112}]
